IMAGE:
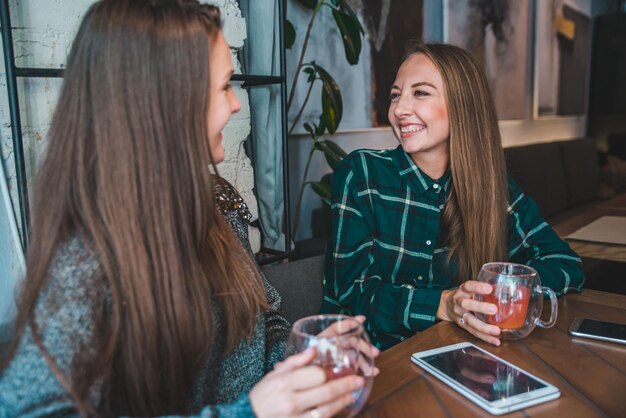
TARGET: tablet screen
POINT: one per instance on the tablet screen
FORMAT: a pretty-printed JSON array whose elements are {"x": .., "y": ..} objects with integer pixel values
[{"x": 482, "y": 374}]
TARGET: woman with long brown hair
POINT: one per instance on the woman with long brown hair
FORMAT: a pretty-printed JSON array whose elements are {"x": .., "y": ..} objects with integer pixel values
[
  {"x": 138, "y": 298},
  {"x": 413, "y": 226}
]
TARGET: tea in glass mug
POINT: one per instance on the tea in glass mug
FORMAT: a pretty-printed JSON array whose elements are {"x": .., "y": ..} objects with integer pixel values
[
  {"x": 342, "y": 349},
  {"x": 518, "y": 295}
]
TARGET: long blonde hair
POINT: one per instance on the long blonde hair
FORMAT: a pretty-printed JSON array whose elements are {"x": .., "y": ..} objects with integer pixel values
[
  {"x": 127, "y": 170},
  {"x": 474, "y": 220}
]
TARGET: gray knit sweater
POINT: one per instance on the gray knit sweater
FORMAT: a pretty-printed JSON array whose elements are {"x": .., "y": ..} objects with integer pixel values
[{"x": 28, "y": 388}]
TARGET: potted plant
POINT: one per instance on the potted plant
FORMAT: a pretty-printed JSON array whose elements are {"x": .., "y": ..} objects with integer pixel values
[{"x": 331, "y": 102}]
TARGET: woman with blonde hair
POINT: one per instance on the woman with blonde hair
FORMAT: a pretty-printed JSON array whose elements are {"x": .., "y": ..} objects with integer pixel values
[
  {"x": 138, "y": 298},
  {"x": 413, "y": 226}
]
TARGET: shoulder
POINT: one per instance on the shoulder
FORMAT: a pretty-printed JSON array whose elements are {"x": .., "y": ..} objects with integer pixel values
[
  {"x": 516, "y": 194},
  {"x": 74, "y": 281},
  {"x": 74, "y": 259},
  {"x": 365, "y": 162},
  {"x": 514, "y": 188},
  {"x": 229, "y": 201},
  {"x": 368, "y": 156}
]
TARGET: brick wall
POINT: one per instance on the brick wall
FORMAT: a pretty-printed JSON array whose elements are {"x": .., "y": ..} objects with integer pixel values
[{"x": 42, "y": 34}]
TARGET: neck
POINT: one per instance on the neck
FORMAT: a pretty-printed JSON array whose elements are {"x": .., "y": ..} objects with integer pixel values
[{"x": 434, "y": 166}]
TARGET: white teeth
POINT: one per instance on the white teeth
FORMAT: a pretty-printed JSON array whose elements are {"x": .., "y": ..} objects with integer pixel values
[{"x": 411, "y": 128}]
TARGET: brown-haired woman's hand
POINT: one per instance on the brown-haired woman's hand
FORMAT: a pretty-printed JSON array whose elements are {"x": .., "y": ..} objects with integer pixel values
[
  {"x": 296, "y": 389},
  {"x": 458, "y": 306}
]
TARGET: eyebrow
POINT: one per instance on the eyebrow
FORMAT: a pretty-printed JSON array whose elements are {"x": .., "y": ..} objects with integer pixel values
[{"x": 421, "y": 83}]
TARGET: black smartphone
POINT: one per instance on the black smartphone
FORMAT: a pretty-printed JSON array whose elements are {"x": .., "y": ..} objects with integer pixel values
[{"x": 599, "y": 330}]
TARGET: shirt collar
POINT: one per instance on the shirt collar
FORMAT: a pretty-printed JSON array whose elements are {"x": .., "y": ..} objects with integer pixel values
[{"x": 418, "y": 180}]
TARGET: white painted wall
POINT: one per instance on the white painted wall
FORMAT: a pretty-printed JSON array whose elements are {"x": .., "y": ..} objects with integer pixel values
[
  {"x": 42, "y": 33},
  {"x": 11, "y": 261}
]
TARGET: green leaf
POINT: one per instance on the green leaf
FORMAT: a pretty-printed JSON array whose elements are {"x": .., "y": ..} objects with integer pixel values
[
  {"x": 350, "y": 29},
  {"x": 309, "y": 129},
  {"x": 343, "y": 6},
  {"x": 312, "y": 74},
  {"x": 322, "y": 190},
  {"x": 333, "y": 152},
  {"x": 290, "y": 34},
  {"x": 332, "y": 104},
  {"x": 309, "y": 4},
  {"x": 319, "y": 131}
]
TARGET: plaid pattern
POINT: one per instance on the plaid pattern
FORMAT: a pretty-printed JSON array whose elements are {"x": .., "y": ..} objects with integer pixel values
[{"x": 384, "y": 259}]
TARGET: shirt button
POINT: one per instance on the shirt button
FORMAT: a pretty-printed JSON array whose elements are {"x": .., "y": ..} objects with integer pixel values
[
  {"x": 419, "y": 277},
  {"x": 435, "y": 186},
  {"x": 428, "y": 242}
]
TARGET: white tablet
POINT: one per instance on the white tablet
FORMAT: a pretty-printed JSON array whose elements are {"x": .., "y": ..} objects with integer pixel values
[{"x": 490, "y": 382}]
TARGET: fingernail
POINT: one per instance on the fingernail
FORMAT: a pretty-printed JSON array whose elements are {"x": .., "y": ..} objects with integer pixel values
[
  {"x": 493, "y": 310},
  {"x": 360, "y": 381}
]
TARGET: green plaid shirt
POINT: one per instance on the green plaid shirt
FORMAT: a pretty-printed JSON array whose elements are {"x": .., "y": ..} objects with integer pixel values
[{"x": 384, "y": 259}]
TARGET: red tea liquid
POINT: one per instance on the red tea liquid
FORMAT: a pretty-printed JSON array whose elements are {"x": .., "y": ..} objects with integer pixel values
[
  {"x": 335, "y": 372},
  {"x": 512, "y": 303}
]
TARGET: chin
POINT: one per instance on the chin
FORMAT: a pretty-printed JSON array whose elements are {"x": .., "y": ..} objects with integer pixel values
[
  {"x": 218, "y": 155},
  {"x": 409, "y": 147},
  {"x": 218, "y": 158}
]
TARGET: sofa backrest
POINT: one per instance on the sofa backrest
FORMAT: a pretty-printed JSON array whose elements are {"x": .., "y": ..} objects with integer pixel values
[
  {"x": 557, "y": 175},
  {"x": 538, "y": 169},
  {"x": 582, "y": 170},
  {"x": 300, "y": 286}
]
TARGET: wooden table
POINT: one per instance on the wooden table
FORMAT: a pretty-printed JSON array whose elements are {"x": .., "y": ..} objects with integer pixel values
[
  {"x": 590, "y": 249},
  {"x": 591, "y": 375}
]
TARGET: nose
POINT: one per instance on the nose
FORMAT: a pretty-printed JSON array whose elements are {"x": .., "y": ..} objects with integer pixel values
[
  {"x": 401, "y": 107},
  {"x": 235, "y": 106}
]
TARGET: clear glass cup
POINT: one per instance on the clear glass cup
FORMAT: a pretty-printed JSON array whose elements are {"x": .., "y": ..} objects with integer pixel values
[
  {"x": 342, "y": 348},
  {"x": 518, "y": 294}
]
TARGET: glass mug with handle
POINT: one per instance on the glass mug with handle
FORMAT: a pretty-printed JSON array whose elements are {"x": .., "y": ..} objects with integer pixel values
[
  {"x": 342, "y": 348},
  {"x": 518, "y": 295}
]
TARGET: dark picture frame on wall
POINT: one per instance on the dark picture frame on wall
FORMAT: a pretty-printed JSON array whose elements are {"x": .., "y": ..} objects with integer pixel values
[
  {"x": 498, "y": 33},
  {"x": 390, "y": 23},
  {"x": 562, "y": 57},
  {"x": 365, "y": 86}
]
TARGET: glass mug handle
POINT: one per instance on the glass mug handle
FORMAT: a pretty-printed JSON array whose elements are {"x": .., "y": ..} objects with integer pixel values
[{"x": 554, "y": 308}]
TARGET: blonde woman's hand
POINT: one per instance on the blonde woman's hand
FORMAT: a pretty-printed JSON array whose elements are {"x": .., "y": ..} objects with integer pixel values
[
  {"x": 296, "y": 389},
  {"x": 458, "y": 306}
]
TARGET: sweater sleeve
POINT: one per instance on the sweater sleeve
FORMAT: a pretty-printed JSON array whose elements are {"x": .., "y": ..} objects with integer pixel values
[
  {"x": 533, "y": 242},
  {"x": 28, "y": 386},
  {"x": 277, "y": 328}
]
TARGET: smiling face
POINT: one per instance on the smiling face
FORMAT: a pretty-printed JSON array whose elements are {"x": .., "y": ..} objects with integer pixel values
[
  {"x": 222, "y": 100},
  {"x": 418, "y": 112}
]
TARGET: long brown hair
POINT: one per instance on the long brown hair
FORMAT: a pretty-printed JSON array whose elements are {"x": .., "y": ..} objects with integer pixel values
[
  {"x": 127, "y": 171},
  {"x": 474, "y": 220}
]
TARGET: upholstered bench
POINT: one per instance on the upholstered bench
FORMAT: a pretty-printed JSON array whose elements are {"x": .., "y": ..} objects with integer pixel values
[
  {"x": 300, "y": 286},
  {"x": 562, "y": 177}
]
